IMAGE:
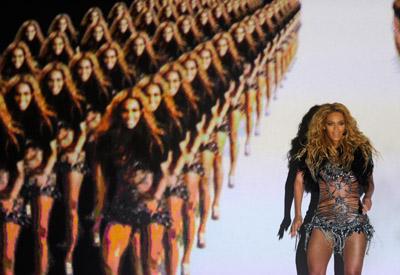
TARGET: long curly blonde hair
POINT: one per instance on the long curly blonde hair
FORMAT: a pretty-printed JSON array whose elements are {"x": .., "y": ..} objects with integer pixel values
[{"x": 319, "y": 147}]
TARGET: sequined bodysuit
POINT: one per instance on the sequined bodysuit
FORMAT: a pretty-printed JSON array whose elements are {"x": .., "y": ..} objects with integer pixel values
[{"x": 339, "y": 211}]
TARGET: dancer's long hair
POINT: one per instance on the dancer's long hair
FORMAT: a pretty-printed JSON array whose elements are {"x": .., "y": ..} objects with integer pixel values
[
  {"x": 71, "y": 31},
  {"x": 205, "y": 81},
  {"x": 20, "y": 36},
  {"x": 186, "y": 88},
  {"x": 194, "y": 30},
  {"x": 171, "y": 108},
  {"x": 47, "y": 45},
  {"x": 128, "y": 49},
  {"x": 121, "y": 63},
  {"x": 248, "y": 39},
  {"x": 112, "y": 115},
  {"x": 97, "y": 72},
  {"x": 158, "y": 36},
  {"x": 7, "y": 124},
  {"x": 112, "y": 14},
  {"x": 5, "y": 59},
  {"x": 319, "y": 147},
  {"x": 215, "y": 60},
  {"x": 114, "y": 26},
  {"x": 37, "y": 98},
  {"x": 88, "y": 36},
  {"x": 69, "y": 85},
  {"x": 85, "y": 19}
]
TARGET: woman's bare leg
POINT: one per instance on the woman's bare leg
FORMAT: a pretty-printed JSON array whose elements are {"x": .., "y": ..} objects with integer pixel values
[
  {"x": 115, "y": 241},
  {"x": 137, "y": 253},
  {"x": 319, "y": 251},
  {"x": 249, "y": 96},
  {"x": 156, "y": 248},
  {"x": 192, "y": 182},
  {"x": 234, "y": 120},
  {"x": 353, "y": 253},
  {"x": 207, "y": 159},
  {"x": 45, "y": 205},
  {"x": 74, "y": 183},
  {"x": 218, "y": 173},
  {"x": 175, "y": 205},
  {"x": 261, "y": 91},
  {"x": 10, "y": 238}
]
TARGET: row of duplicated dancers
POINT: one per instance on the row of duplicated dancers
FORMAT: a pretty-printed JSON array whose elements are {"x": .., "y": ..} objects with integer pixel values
[
  {"x": 155, "y": 116},
  {"x": 63, "y": 40}
]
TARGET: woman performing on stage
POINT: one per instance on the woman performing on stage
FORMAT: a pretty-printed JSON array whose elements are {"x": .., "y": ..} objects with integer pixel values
[{"x": 337, "y": 158}]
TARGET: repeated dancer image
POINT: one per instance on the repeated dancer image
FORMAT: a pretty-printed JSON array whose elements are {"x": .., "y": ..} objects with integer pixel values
[
  {"x": 337, "y": 159},
  {"x": 130, "y": 181}
]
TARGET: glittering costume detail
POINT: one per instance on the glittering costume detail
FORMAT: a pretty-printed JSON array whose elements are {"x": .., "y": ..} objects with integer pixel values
[
  {"x": 179, "y": 190},
  {"x": 210, "y": 146},
  {"x": 195, "y": 167},
  {"x": 224, "y": 127},
  {"x": 19, "y": 214},
  {"x": 129, "y": 204},
  {"x": 339, "y": 212},
  {"x": 80, "y": 166},
  {"x": 32, "y": 189}
]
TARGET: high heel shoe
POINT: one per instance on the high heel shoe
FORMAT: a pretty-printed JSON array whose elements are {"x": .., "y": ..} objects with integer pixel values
[
  {"x": 247, "y": 149},
  {"x": 231, "y": 181},
  {"x": 215, "y": 212},
  {"x": 257, "y": 130},
  {"x": 68, "y": 268},
  {"x": 201, "y": 240},
  {"x": 185, "y": 269}
]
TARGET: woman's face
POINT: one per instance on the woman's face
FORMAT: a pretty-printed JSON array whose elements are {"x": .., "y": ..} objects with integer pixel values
[
  {"x": 123, "y": 25},
  {"x": 335, "y": 126},
  {"x": 168, "y": 33},
  {"x": 239, "y": 34},
  {"x": 94, "y": 17},
  {"x": 203, "y": 18},
  {"x": 261, "y": 18},
  {"x": 120, "y": 10},
  {"x": 65, "y": 137},
  {"x": 62, "y": 24},
  {"x": 222, "y": 47},
  {"x": 58, "y": 45},
  {"x": 251, "y": 26},
  {"x": 55, "y": 82},
  {"x": 148, "y": 18},
  {"x": 174, "y": 82},
  {"x": 218, "y": 12},
  {"x": 183, "y": 7},
  {"x": 23, "y": 96},
  {"x": 33, "y": 158},
  {"x": 139, "y": 46},
  {"x": 186, "y": 26},
  {"x": 85, "y": 69},
  {"x": 110, "y": 59},
  {"x": 130, "y": 113},
  {"x": 191, "y": 69},
  {"x": 92, "y": 119},
  {"x": 30, "y": 32},
  {"x": 206, "y": 58},
  {"x": 98, "y": 33},
  {"x": 168, "y": 11},
  {"x": 154, "y": 95},
  {"x": 18, "y": 58}
]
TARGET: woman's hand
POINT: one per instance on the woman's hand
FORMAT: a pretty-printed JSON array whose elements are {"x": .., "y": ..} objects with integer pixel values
[
  {"x": 7, "y": 205},
  {"x": 296, "y": 224},
  {"x": 152, "y": 205},
  {"x": 366, "y": 204}
]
